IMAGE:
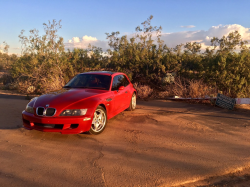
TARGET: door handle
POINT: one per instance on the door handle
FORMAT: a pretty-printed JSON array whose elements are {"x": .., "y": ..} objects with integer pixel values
[{"x": 126, "y": 92}]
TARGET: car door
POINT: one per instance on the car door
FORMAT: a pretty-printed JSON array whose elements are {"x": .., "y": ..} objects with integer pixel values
[
  {"x": 120, "y": 96},
  {"x": 127, "y": 88}
]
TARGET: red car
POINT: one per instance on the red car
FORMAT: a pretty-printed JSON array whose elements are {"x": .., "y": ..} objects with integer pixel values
[{"x": 84, "y": 104}]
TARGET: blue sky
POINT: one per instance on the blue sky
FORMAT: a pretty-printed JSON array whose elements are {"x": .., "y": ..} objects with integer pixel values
[{"x": 95, "y": 18}]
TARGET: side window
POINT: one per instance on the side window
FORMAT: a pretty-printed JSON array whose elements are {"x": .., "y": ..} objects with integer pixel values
[
  {"x": 119, "y": 80},
  {"x": 125, "y": 81}
]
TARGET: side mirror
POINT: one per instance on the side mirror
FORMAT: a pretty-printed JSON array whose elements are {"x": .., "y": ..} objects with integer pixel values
[{"x": 121, "y": 87}]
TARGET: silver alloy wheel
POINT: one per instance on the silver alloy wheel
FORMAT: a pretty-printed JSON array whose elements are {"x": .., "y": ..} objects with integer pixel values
[
  {"x": 99, "y": 120},
  {"x": 133, "y": 101}
]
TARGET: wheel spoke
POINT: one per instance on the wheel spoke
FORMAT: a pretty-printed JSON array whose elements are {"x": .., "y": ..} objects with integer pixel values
[
  {"x": 99, "y": 120},
  {"x": 134, "y": 101}
]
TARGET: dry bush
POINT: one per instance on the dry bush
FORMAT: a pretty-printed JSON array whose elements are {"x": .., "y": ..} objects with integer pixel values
[
  {"x": 52, "y": 84},
  {"x": 1, "y": 67},
  {"x": 198, "y": 89},
  {"x": 143, "y": 91},
  {"x": 23, "y": 86},
  {"x": 187, "y": 89},
  {"x": 6, "y": 78},
  {"x": 180, "y": 87},
  {"x": 162, "y": 95},
  {"x": 42, "y": 79},
  {"x": 42, "y": 86}
]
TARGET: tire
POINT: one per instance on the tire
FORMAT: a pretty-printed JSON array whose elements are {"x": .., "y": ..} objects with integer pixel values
[
  {"x": 99, "y": 121},
  {"x": 132, "y": 105}
]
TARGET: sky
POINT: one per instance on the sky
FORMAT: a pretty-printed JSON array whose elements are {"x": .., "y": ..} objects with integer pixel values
[{"x": 86, "y": 21}]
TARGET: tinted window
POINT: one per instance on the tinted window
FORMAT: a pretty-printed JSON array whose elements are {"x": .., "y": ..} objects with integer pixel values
[
  {"x": 90, "y": 81},
  {"x": 119, "y": 80},
  {"x": 125, "y": 81}
]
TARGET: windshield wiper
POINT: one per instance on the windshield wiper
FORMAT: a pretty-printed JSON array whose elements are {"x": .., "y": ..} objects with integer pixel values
[
  {"x": 88, "y": 87},
  {"x": 81, "y": 87},
  {"x": 67, "y": 87},
  {"x": 100, "y": 88}
]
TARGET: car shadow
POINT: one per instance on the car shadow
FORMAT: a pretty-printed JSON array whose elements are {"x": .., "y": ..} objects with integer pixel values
[
  {"x": 18, "y": 97},
  {"x": 11, "y": 110}
]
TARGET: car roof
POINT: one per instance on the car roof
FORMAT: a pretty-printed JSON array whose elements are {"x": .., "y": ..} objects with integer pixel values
[{"x": 102, "y": 72}]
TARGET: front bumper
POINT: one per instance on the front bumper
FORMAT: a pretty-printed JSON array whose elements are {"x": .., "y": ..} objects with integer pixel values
[{"x": 64, "y": 125}]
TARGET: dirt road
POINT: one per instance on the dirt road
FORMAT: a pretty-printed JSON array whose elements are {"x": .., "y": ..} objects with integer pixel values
[{"x": 162, "y": 143}]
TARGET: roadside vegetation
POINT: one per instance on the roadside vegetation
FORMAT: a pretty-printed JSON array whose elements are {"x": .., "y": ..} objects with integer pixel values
[{"x": 44, "y": 65}]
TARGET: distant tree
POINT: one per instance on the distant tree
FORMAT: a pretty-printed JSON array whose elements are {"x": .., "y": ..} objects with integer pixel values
[
  {"x": 6, "y": 47},
  {"x": 141, "y": 55},
  {"x": 228, "y": 69},
  {"x": 42, "y": 58},
  {"x": 4, "y": 57},
  {"x": 228, "y": 43}
]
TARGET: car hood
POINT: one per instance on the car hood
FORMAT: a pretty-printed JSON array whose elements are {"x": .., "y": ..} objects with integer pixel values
[{"x": 65, "y": 97}]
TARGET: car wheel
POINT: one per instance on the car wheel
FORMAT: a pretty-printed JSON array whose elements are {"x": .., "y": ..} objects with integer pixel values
[
  {"x": 99, "y": 121},
  {"x": 132, "y": 105}
]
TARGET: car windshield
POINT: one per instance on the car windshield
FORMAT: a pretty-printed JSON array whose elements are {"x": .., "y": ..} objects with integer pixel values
[{"x": 93, "y": 81}]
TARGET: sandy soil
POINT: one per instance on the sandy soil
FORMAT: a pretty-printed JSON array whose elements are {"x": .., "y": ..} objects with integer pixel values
[{"x": 162, "y": 143}]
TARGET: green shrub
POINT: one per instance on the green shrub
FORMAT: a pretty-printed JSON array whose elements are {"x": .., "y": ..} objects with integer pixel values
[{"x": 45, "y": 66}]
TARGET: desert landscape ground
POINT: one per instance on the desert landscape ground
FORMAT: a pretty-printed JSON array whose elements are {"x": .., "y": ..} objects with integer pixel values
[{"x": 161, "y": 143}]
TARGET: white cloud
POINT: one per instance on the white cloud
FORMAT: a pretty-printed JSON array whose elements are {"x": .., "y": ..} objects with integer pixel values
[
  {"x": 187, "y": 26},
  {"x": 204, "y": 37},
  {"x": 170, "y": 39},
  {"x": 84, "y": 42}
]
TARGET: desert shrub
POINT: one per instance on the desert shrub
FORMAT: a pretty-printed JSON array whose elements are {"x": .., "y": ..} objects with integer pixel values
[
  {"x": 51, "y": 84},
  {"x": 186, "y": 88},
  {"x": 179, "y": 88},
  {"x": 198, "y": 89},
  {"x": 45, "y": 65},
  {"x": 6, "y": 79},
  {"x": 45, "y": 85},
  {"x": 25, "y": 87},
  {"x": 143, "y": 91},
  {"x": 160, "y": 94},
  {"x": 35, "y": 76}
]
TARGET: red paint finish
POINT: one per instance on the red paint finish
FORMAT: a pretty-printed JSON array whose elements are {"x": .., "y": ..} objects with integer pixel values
[{"x": 114, "y": 100}]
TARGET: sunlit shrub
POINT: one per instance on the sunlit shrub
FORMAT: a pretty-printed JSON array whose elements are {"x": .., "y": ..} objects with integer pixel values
[{"x": 143, "y": 91}]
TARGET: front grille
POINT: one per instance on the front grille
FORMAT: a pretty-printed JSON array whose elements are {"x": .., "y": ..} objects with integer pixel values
[
  {"x": 54, "y": 126},
  {"x": 50, "y": 111},
  {"x": 39, "y": 111}
]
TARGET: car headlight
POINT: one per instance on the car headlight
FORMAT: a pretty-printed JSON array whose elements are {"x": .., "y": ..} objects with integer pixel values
[
  {"x": 74, "y": 112},
  {"x": 29, "y": 109}
]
